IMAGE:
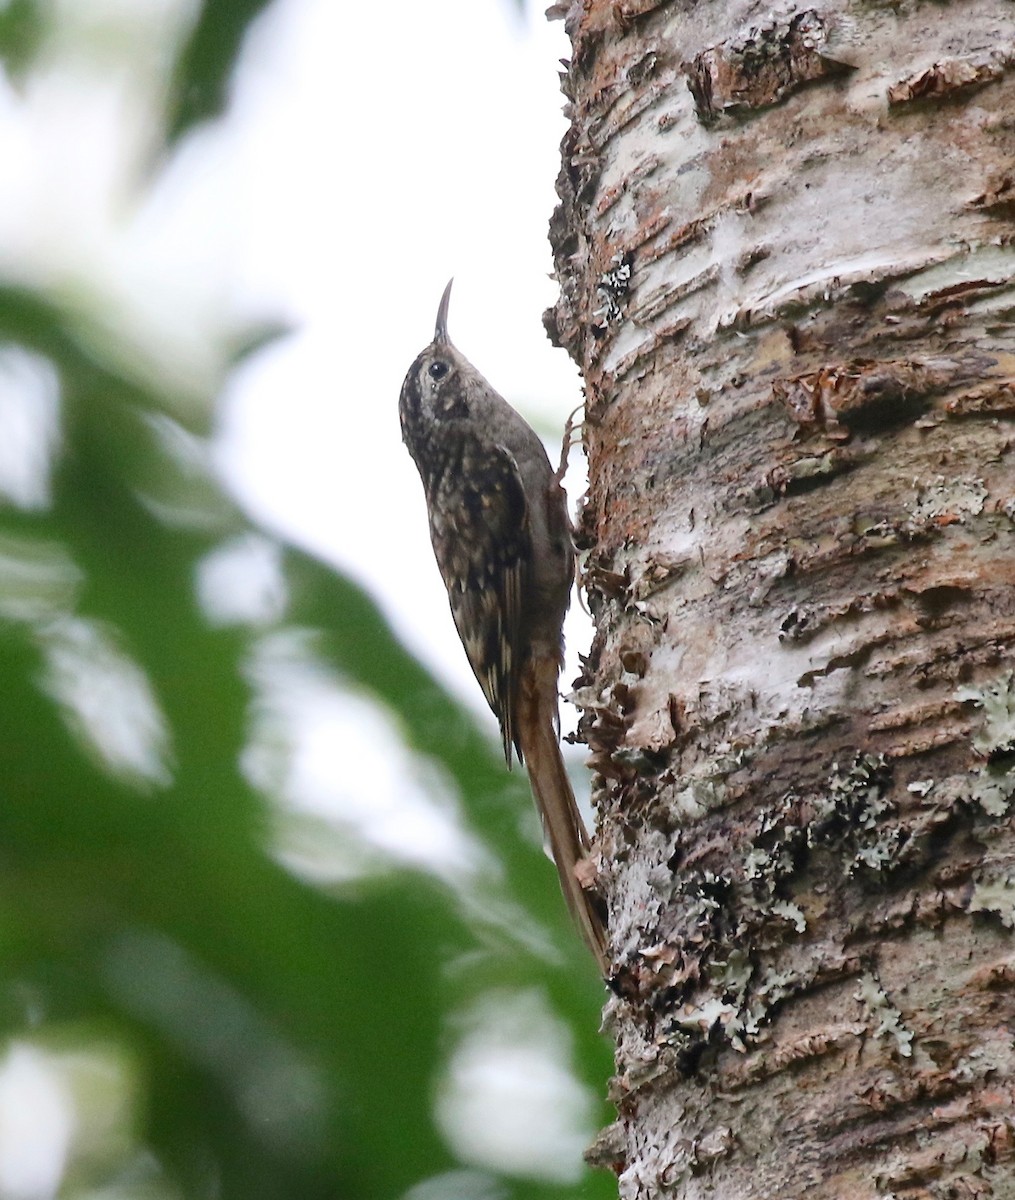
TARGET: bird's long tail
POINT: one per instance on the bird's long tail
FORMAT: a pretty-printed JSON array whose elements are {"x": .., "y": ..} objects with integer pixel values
[{"x": 562, "y": 822}]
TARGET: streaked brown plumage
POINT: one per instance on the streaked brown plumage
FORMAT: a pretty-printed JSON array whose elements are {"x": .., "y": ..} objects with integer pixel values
[{"x": 502, "y": 538}]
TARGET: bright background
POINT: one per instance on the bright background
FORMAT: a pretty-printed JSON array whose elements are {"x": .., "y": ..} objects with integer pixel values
[
  {"x": 363, "y": 180},
  {"x": 178, "y": 946},
  {"x": 363, "y": 161}
]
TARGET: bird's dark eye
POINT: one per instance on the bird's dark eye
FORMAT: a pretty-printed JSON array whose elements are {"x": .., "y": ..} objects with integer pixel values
[{"x": 438, "y": 369}]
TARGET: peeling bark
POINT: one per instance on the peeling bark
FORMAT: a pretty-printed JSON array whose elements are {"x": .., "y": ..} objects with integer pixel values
[{"x": 785, "y": 253}]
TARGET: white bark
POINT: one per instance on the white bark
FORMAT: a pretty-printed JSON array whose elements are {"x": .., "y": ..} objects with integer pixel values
[{"x": 790, "y": 288}]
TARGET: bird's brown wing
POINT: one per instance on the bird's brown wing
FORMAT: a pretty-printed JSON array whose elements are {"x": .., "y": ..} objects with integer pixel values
[{"x": 485, "y": 562}]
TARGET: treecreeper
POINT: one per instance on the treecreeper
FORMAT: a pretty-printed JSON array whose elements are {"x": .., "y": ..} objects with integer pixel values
[{"x": 502, "y": 537}]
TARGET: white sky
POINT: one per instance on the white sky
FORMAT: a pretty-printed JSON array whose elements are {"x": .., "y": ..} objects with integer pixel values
[
  {"x": 395, "y": 162},
  {"x": 359, "y": 167},
  {"x": 356, "y": 169}
]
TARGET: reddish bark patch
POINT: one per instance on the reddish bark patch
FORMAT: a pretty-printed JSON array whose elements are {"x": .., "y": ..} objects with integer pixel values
[
  {"x": 951, "y": 77},
  {"x": 858, "y": 395},
  {"x": 997, "y": 197},
  {"x": 762, "y": 68},
  {"x": 994, "y": 399}
]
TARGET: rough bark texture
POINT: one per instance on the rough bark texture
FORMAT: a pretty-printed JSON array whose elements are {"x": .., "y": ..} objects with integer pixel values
[{"x": 785, "y": 253}]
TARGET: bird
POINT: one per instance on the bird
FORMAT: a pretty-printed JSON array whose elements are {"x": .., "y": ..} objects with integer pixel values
[{"x": 503, "y": 541}]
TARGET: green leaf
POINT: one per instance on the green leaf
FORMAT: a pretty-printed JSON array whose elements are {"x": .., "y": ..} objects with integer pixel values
[
  {"x": 22, "y": 26},
  {"x": 207, "y": 61}
]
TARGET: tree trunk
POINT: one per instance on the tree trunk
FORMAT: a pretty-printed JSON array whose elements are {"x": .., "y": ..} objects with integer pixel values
[{"x": 784, "y": 251}]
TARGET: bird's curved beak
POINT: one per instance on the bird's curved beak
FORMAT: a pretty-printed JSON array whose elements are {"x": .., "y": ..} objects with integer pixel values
[{"x": 441, "y": 331}]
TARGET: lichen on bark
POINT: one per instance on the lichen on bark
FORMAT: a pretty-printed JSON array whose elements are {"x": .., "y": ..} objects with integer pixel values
[{"x": 784, "y": 247}]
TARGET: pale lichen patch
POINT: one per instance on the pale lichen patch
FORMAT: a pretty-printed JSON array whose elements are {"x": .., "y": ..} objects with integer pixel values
[
  {"x": 995, "y": 894},
  {"x": 889, "y": 1018},
  {"x": 997, "y": 701}
]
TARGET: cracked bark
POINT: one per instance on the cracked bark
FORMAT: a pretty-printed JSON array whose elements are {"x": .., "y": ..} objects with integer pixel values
[{"x": 784, "y": 247}]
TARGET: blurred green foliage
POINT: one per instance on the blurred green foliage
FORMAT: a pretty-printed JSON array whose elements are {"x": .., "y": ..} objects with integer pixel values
[
  {"x": 205, "y": 63},
  {"x": 266, "y": 1037},
  {"x": 21, "y": 26}
]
